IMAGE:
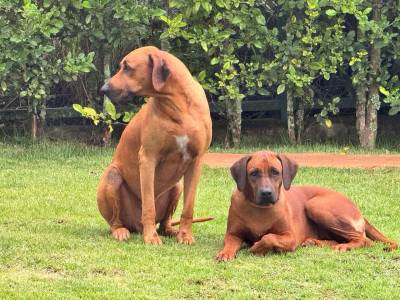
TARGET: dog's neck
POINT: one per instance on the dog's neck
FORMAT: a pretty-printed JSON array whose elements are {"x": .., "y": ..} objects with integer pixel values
[{"x": 172, "y": 104}]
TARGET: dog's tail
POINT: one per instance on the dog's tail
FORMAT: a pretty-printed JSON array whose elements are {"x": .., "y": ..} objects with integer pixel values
[
  {"x": 195, "y": 220},
  {"x": 375, "y": 235}
]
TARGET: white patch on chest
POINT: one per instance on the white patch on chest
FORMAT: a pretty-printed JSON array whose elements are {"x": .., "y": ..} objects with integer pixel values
[{"x": 182, "y": 142}]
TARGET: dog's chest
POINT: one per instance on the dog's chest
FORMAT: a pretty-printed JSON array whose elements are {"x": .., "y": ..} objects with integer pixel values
[
  {"x": 258, "y": 227},
  {"x": 179, "y": 152},
  {"x": 182, "y": 145},
  {"x": 254, "y": 222}
]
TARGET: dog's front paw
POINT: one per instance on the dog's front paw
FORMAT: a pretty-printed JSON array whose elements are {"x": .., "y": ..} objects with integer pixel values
[
  {"x": 225, "y": 256},
  {"x": 184, "y": 237},
  {"x": 152, "y": 239},
  {"x": 121, "y": 234}
]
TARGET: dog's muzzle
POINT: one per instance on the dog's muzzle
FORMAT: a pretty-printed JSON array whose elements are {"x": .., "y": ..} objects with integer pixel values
[
  {"x": 115, "y": 95},
  {"x": 265, "y": 196},
  {"x": 109, "y": 92},
  {"x": 104, "y": 89}
]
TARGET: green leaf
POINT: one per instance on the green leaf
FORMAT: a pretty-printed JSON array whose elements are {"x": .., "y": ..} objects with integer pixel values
[
  {"x": 127, "y": 116},
  {"x": 263, "y": 92},
  {"x": 258, "y": 44},
  {"x": 316, "y": 66},
  {"x": 165, "y": 19},
  {"x": 331, "y": 12},
  {"x": 158, "y": 12},
  {"x": 214, "y": 61},
  {"x": 384, "y": 91},
  {"x": 260, "y": 20},
  {"x": 292, "y": 70},
  {"x": 367, "y": 10},
  {"x": 328, "y": 123},
  {"x": 204, "y": 45},
  {"x": 77, "y": 107},
  {"x": 201, "y": 76},
  {"x": 59, "y": 23},
  {"x": 174, "y": 3},
  {"x": 207, "y": 6},
  {"x": 88, "y": 19},
  {"x": 164, "y": 35},
  {"x": 312, "y": 4},
  {"x": 3, "y": 86},
  {"x": 236, "y": 20},
  {"x": 394, "y": 110},
  {"x": 90, "y": 112},
  {"x": 281, "y": 88},
  {"x": 110, "y": 108},
  {"x": 196, "y": 7},
  {"x": 220, "y": 3},
  {"x": 77, "y": 4},
  {"x": 86, "y": 4},
  {"x": 110, "y": 128}
]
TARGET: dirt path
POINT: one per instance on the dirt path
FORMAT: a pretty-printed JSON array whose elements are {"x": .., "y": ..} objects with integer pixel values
[{"x": 316, "y": 160}]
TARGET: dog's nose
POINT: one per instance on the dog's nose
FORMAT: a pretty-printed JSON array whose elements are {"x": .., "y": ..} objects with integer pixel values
[
  {"x": 265, "y": 196},
  {"x": 104, "y": 89},
  {"x": 266, "y": 192}
]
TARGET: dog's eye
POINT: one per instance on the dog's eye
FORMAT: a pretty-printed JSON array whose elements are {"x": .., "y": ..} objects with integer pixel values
[
  {"x": 274, "y": 172},
  {"x": 126, "y": 67},
  {"x": 255, "y": 173}
]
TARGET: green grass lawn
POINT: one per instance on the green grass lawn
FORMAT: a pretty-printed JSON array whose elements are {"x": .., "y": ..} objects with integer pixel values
[{"x": 54, "y": 243}]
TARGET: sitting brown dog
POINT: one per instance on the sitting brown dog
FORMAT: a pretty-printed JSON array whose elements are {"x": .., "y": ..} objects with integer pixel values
[
  {"x": 165, "y": 141},
  {"x": 272, "y": 218}
]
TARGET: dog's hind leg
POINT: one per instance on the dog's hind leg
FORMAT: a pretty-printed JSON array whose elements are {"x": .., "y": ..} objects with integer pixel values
[
  {"x": 109, "y": 200},
  {"x": 340, "y": 218},
  {"x": 375, "y": 235},
  {"x": 171, "y": 198}
]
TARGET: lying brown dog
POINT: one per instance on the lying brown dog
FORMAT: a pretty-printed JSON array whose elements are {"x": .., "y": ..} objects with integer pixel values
[
  {"x": 275, "y": 218},
  {"x": 165, "y": 140}
]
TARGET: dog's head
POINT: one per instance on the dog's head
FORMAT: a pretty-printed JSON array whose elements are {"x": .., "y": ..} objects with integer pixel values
[
  {"x": 261, "y": 175},
  {"x": 143, "y": 72}
]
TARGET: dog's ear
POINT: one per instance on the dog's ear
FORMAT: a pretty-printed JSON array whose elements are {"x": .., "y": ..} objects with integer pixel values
[
  {"x": 160, "y": 71},
  {"x": 239, "y": 172},
  {"x": 289, "y": 170}
]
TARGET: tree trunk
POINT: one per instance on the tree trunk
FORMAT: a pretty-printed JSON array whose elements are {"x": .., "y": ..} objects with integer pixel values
[
  {"x": 371, "y": 121},
  {"x": 371, "y": 127},
  {"x": 35, "y": 122},
  {"x": 361, "y": 105},
  {"x": 368, "y": 101},
  {"x": 300, "y": 122},
  {"x": 290, "y": 117},
  {"x": 233, "y": 109},
  {"x": 34, "y": 127}
]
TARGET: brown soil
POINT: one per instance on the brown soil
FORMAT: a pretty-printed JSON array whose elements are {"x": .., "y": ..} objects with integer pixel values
[{"x": 316, "y": 160}]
